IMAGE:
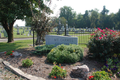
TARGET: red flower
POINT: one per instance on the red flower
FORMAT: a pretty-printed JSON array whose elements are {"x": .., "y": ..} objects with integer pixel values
[
  {"x": 12, "y": 51},
  {"x": 54, "y": 76},
  {"x": 5, "y": 52},
  {"x": 91, "y": 77},
  {"x": 11, "y": 54},
  {"x": 61, "y": 66}
]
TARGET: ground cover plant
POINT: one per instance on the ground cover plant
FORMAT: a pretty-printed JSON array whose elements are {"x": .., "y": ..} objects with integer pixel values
[
  {"x": 99, "y": 75},
  {"x": 65, "y": 54},
  {"x": 58, "y": 71},
  {"x": 27, "y": 62},
  {"x": 43, "y": 50},
  {"x": 104, "y": 43}
]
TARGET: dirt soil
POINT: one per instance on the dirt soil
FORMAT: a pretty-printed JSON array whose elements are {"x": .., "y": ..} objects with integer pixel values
[{"x": 41, "y": 67}]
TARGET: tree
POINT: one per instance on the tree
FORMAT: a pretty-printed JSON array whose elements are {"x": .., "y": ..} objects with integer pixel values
[
  {"x": 11, "y": 10},
  {"x": 103, "y": 16},
  {"x": 42, "y": 23},
  {"x": 68, "y": 14},
  {"x": 86, "y": 19},
  {"x": 94, "y": 18}
]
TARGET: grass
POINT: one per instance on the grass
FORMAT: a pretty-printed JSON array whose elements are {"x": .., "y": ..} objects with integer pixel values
[{"x": 14, "y": 46}]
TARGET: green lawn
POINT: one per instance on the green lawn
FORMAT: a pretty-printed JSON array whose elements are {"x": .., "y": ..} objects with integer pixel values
[{"x": 16, "y": 45}]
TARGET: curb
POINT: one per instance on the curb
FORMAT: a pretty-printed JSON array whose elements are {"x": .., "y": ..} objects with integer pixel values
[{"x": 19, "y": 72}]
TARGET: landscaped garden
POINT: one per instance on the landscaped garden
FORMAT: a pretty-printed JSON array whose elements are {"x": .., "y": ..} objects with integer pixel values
[{"x": 101, "y": 56}]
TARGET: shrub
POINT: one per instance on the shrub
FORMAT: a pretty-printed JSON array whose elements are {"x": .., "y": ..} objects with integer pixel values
[
  {"x": 99, "y": 75},
  {"x": 40, "y": 50},
  {"x": 102, "y": 43},
  {"x": 27, "y": 62},
  {"x": 58, "y": 72},
  {"x": 65, "y": 54}
]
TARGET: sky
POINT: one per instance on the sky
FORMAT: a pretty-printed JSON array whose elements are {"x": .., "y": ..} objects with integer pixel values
[{"x": 80, "y": 6}]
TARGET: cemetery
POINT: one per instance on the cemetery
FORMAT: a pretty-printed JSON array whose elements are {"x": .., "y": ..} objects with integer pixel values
[
  {"x": 68, "y": 46},
  {"x": 75, "y": 62}
]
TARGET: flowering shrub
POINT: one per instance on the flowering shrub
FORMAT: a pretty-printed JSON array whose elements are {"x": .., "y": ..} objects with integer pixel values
[
  {"x": 103, "y": 43},
  {"x": 27, "y": 62},
  {"x": 65, "y": 54},
  {"x": 99, "y": 75},
  {"x": 57, "y": 72},
  {"x": 9, "y": 53}
]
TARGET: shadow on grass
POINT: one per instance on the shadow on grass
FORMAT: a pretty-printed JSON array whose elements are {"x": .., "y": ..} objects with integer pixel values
[{"x": 14, "y": 46}]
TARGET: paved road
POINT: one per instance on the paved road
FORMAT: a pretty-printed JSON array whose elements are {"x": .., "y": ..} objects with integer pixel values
[{"x": 15, "y": 39}]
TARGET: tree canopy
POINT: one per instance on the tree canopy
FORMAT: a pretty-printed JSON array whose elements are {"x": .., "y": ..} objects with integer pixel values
[{"x": 11, "y": 10}]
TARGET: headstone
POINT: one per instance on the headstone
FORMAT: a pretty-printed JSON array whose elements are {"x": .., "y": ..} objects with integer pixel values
[
  {"x": 28, "y": 34},
  {"x": 63, "y": 29},
  {"x": 80, "y": 71},
  {"x": 0, "y": 35},
  {"x": 73, "y": 29},
  {"x": 60, "y": 32},
  {"x": 58, "y": 40},
  {"x": 18, "y": 30},
  {"x": 30, "y": 31},
  {"x": 23, "y": 30}
]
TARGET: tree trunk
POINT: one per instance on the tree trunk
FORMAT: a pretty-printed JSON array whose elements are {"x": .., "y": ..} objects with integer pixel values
[
  {"x": 10, "y": 35},
  {"x": 39, "y": 40},
  {"x": 9, "y": 30}
]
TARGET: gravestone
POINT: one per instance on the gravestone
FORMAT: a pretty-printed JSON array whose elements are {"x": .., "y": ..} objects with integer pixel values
[
  {"x": 58, "y": 40},
  {"x": 73, "y": 29},
  {"x": 30, "y": 31},
  {"x": 23, "y": 29},
  {"x": 28, "y": 34},
  {"x": 60, "y": 32},
  {"x": 18, "y": 30},
  {"x": 63, "y": 29},
  {"x": 0, "y": 35}
]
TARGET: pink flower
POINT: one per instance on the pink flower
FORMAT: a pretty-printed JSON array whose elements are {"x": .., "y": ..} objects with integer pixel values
[
  {"x": 100, "y": 37},
  {"x": 99, "y": 29},
  {"x": 103, "y": 32},
  {"x": 105, "y": 35},
  {"x": 111, "y": 30},
  {"x": 106, "y": 28}
]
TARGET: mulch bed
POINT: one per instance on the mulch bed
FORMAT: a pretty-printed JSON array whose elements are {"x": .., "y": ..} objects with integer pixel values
[{"x": 41, "y": 67}]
